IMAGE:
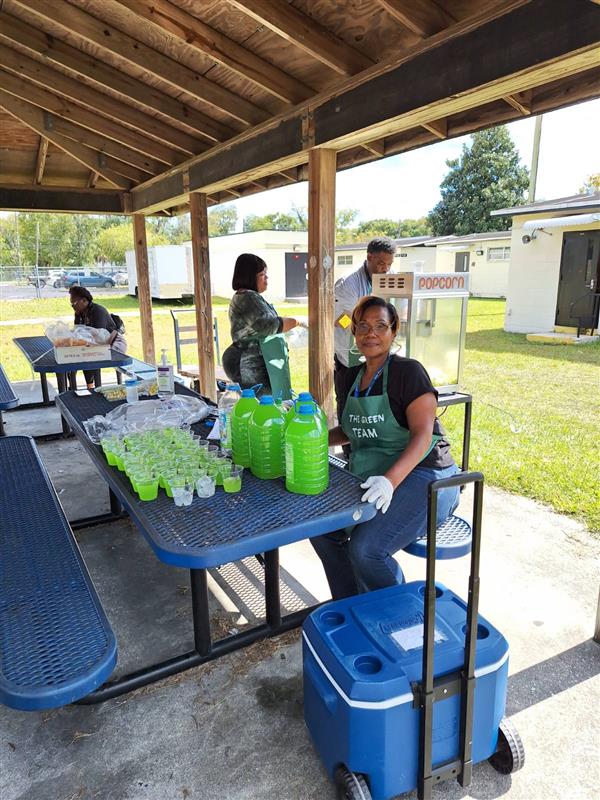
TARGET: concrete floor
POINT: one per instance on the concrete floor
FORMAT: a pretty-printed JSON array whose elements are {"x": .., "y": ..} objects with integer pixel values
[{"x": 233, "y": 729}]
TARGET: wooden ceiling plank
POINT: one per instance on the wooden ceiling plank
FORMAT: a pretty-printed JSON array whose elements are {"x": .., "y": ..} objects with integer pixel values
[
  {"x": 521, "y": 101},
  {"x": 35, "y": 94},
  {"x": 59, "y": 52},
  {"x": 221, "y": 48},
  {"x": 93, "y": 179},
  {"x": 304, "y": 32},
  {"x": 40, "y": 162},
  {"x": 62, "y": 198},
  {"x": 376, "y": 147},
  {"x": 423, "y": 17},
  {"x": 84, "y": 25},
  {"x": 439, "y": 128},
  {"x": 39, "y": 121},
  {"x": 117, "y": 111}
]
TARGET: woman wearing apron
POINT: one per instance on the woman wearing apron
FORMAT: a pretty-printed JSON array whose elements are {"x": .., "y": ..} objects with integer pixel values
[
  {"x": 398, "y": 448},
  {"x": 259, "y": 352}
]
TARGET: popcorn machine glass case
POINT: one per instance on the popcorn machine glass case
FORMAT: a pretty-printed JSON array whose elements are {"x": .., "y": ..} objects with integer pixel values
[{"x": 433, "y": 312}]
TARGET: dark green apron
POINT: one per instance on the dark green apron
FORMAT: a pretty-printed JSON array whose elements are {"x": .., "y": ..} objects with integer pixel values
[
  {"x": 376, "y": 438},
  {"x": 274, "y": 350}
]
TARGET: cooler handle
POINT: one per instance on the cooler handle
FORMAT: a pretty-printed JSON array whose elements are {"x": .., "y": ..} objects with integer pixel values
[{"x": 321, "y": 684}]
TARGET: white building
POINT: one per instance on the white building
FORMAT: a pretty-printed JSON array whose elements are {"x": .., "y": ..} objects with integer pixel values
[
  {"x": 486, "y": 256},
  {"x": 554, "y": 265}
]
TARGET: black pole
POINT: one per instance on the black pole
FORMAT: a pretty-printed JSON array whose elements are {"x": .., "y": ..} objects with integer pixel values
[
  {"x": 272, "y": 598},
  {"x": 467, "y": 435},
  {"x": 44, "y": 384},
  {"x": 202, "y": 640}
]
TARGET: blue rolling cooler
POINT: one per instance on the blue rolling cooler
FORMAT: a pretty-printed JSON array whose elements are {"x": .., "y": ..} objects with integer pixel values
[{"x": 378, "y": 726}]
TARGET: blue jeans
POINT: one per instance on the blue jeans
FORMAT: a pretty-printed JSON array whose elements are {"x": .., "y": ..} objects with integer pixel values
[{"x": 361, "y": 559}]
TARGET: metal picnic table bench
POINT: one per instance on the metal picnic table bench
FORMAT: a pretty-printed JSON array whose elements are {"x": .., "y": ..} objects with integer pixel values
[
  {"x": 215, "y": 531},
  {"x": 8, "y": 398},
  {"x": 56, "y": 644}
]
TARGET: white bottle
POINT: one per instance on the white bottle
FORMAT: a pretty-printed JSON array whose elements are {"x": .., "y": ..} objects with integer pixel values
[
  {"x": 131, "y": 388},
  {"x": 226, "y": 403},
  {"x": 164, "y": 378}
]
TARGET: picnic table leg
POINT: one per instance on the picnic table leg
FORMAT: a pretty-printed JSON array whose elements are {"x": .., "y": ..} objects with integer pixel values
[
  {"x": 73, "y": 381},
  {"x": 44, "y": 384},
  {"x": 202, "y": 640},
  {"x": 61, "y": 380},
  {"x": 115, "y": 504},
  {"x": 272, "y": 598},
  {"x": 2, "y": 431}
]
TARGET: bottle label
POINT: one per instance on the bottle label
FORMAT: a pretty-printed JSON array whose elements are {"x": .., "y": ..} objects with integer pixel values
[{"x": 225, "y": 427}]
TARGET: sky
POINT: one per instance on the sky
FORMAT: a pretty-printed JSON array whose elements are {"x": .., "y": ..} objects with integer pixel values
[{"x": 407, "y": 185}]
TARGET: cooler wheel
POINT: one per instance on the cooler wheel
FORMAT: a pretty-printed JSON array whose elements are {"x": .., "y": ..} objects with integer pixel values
[
  {"x": 350, "y": 785},
  {"x": 510, "y": 753}
]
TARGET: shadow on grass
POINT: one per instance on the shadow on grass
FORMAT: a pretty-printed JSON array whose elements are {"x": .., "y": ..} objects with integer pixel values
[{"x": 497, "y": 340}]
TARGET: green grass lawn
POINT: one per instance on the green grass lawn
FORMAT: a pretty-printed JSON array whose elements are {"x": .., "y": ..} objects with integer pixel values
[{"x": 536, "y": 421}]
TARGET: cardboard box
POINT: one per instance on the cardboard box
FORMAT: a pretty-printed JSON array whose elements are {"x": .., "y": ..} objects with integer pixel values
[{"x": 79, "y": 353}]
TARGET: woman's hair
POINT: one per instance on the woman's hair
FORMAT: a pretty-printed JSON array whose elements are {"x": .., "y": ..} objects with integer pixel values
[
  {"x": 247, "y": 267},
  {"x": 371, "y": 301},
  {"x": 80, "y": 291}
]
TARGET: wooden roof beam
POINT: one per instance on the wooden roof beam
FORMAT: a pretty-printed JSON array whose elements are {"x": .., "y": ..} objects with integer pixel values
[
  {"x": 115, "y": 110},
  {"x": 42, "y": 123},
  {"x": 377, "y": 147},
  {"x": 221, "y": 48},
  {"x": 63, "y": 198},
  {"x": 423, "y": 17},
  {"x": 304, "y": 32},
  {"x": 521, "y": 101},
  {"x": 93, "y": 179},
  {"x": 40, "y": 162},
  {"x": 439, "y": 128},
  {"x": 53, "y": 51},
  {"x": 100, "y": 33},
  {"x": 67, "y": 113}
]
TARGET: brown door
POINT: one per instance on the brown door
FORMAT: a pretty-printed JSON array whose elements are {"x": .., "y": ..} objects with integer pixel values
[{"x": 578, "y": 298}]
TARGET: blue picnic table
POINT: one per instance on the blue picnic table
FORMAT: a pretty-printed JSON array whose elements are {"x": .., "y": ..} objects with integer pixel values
[
  {"x": 8, "y": 398},
  {"x": 215, "y": 531}
]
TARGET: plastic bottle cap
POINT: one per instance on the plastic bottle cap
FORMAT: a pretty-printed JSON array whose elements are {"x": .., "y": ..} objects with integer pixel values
[
  {"x": 248, "y": 393},
  {"x": 233, "y": 387},
  {"x": 305, "y": 396},
  {"x": 266, "y": 400},
  {"x": 306, "y": 409}
]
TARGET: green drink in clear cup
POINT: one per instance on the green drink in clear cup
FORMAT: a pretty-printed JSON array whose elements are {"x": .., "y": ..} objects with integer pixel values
[{"x": 232, "y": 482}]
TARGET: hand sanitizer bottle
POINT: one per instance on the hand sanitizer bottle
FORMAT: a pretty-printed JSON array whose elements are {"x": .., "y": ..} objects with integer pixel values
[{"x": 164, "y": 378}]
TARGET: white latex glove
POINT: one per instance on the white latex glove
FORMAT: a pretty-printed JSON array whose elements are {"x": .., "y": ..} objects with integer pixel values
[
  {"x": 379, "y": 491},
  {"x": 302, "y": 322}
]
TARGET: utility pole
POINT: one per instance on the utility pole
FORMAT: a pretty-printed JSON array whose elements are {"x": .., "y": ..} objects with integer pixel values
[
  {"x": 38, "y": 291},
  {"x": 537, "y": 135},
  {"x": 18, "y": 243}
]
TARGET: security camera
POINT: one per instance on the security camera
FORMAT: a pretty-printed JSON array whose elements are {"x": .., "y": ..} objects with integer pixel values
[{"x": 525, "y": 239}]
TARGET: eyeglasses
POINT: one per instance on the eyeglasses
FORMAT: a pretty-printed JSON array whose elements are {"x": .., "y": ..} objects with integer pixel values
[{"x": 378, "y": 329}]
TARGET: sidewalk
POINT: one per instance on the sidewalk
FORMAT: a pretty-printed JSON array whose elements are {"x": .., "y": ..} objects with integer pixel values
[{"x": 233, "y": 729}]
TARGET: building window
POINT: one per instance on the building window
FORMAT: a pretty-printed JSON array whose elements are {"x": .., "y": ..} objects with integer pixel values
[
  {"x": 498, "y": 253},
  {"x": 344, "y": 260}
]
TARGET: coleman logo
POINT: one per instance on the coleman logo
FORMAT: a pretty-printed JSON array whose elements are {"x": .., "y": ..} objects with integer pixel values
[{"x": 442, "y": 282}]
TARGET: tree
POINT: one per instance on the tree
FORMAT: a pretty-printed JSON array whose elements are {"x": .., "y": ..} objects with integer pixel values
[
  {"x": 487, "y": 176},
  {"x": 277, "y": 221},
  {"x": 112, "y": 243},
  {"x": 344, "y": 219},
  {"x": 591, "y": 185},
  {"x": 377, "y": 227},
  {"x": 222, "y": 220},
  {"x": 414, "y": 227}
]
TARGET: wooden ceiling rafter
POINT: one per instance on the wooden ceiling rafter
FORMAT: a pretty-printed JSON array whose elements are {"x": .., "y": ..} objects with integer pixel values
[
  {"x": 40, "y": 162},
  {"x": 69, "y": 116},
  {"x": 221, "y": 48},
  {"x": 41, "y": 122},
  {"x": 106, "y": 36},
  {"x": 304, "y": 32},
  {"x": 98, "y": 104},
  {"x": 53, "y": 51},
  {"x": 521, "y": 101},
  {"x": 93, "y": 179},
  {"x": 422, "y": 17},
  {"x": 439, "y": 128}
]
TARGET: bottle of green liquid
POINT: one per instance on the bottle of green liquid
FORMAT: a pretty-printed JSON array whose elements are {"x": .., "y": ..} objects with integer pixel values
[
  {"x": 306, "y": 451},
  {"x": 240, "y": 419},
  {"x": 266, "y": 440}
]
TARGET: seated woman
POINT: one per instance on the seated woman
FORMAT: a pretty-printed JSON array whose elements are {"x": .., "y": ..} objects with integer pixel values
[
  {"x": 95, "y": 316},
  {"x": 259, "y": 351},
  {"x": 398, "y": 447}
]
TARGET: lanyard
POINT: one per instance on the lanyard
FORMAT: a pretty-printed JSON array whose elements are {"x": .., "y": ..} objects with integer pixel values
[
  {"x": 368, "y": 274},
  {"x": 373, "y": 380}
]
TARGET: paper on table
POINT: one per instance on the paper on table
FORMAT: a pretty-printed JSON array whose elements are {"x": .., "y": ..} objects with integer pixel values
[{"x": 214, "y": 433}]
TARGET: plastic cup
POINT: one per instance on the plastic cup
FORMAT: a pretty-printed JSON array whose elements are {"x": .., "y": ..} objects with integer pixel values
[
  {"x": 214, "y": 471},
  {"x": 168, "y": 480},
  {"x": 212, "y": 451},
  {"x": 147, "y": 488},
  {"x": 233, "y": 483},
  {"x": 183, "y": 495},
  {"x": 205, "y": 486}
]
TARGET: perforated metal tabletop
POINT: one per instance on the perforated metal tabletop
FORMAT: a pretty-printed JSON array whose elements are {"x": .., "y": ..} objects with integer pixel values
[
  {"x": 39, "y": 352},
  {"x": 226, "y": 527},
  {"x": 8, "y": 399},
  {"x": 56, "y": 644}
]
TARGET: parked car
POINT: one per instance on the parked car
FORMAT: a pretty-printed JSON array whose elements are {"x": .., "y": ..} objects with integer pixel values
[
  {"x": 120, "y": 278},
  {"x": 93, "y": 279}
]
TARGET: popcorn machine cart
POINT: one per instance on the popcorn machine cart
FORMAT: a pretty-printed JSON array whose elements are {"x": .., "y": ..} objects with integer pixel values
[{"x": 432, "y": 308}]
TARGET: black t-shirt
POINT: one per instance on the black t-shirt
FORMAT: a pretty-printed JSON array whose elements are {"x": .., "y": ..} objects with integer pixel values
[
  {"x": 96, "y": 316},
  {"x": 407, "y": 380}
]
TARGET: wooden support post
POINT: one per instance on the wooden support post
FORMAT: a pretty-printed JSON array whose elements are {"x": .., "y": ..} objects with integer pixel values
[
  {"x": 202, "y": 296},
  {"x": 143, "y": 287},
  {"x": 321, "y": 255}
]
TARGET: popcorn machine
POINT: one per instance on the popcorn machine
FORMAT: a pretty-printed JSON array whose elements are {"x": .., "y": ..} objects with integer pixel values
[{"x": 432, "y": 308}]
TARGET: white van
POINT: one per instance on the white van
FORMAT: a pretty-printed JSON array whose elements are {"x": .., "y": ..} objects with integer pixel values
[{"x": 170, "y": 269}]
